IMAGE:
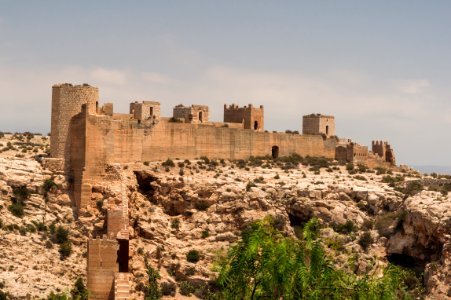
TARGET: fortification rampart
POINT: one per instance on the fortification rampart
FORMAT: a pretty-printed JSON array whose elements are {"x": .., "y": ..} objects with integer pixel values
[{"x": 67, "y": 100}]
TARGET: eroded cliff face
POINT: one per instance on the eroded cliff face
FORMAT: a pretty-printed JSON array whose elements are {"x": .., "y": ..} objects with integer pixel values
[{"x": 204, "y": 206}]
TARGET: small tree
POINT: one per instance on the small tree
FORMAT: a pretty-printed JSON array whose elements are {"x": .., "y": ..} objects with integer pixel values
[{"x": 79, "y": 291}]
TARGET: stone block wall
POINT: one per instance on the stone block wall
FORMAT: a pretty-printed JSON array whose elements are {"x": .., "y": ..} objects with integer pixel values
[
  {"x": 102, "y": 266},
  {"x": 145, "y": 111}
]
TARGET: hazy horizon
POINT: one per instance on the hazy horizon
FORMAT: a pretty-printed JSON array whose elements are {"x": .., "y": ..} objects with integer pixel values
[{"x": 382, "y": 68}]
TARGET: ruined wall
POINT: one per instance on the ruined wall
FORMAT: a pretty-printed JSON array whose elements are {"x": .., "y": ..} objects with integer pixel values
[
  {"x": 67, "y": 100},
  {"x": 384, "y": 151},
  {"x": 251, "y": 117},
  {"x": 145, "y": 111},
  {"x": 318, "y": 124},
  {"x": 194, "y": 114},
  {"x": 102, "y": 266}
]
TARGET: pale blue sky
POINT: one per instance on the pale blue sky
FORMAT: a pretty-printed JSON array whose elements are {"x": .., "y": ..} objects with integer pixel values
[{"x": 383, "y": 68}]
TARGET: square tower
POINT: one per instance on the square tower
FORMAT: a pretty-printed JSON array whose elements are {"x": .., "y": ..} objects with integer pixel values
[
  {"x": 318, "y": 124},
  {"x": 251, "y": 117},
  {"x": 195, "y": 114},
  {"x": 146, "y": 111}
]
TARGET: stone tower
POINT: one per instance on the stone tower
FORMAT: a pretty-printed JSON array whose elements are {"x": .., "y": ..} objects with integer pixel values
[
  {"x": 67, "y": 100},
  {"x": 318, "y": 124},
  {"x": 251, "y": 117}
]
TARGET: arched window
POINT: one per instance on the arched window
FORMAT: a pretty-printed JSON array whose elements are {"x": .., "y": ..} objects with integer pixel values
[
  {"x": 255, "y": 125},
  {"x": 200, "y": 116}
]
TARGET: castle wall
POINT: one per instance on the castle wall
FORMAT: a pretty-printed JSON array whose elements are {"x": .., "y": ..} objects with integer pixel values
[
  {"x": 102, "y": 265},
  {"x": 67, "y": 100}
]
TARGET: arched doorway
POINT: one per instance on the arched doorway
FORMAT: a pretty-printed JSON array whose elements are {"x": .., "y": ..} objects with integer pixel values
[
  {"x": 275, "y": 152},
  {"x": 200, "y": 116},
  {"x": 327, "y": 129},
  {"x": 255, "y": 125}
]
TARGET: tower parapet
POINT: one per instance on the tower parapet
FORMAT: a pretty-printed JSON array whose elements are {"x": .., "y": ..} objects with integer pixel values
[
  {"x": 384, "y": 151},
  {"x": 251, "y": 117},
  {"x": 67, "y": 100},
  {"x": 318, "y": 124}
]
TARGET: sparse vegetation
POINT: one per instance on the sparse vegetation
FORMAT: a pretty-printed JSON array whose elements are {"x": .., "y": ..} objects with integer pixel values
[{"x": 193, "y": 256}]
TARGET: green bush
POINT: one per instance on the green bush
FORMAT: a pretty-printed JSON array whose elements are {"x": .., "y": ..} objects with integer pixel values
[
  {"x": 79, "y": 291},
  {"x": 49, "y": 185},
  {"x": 16, "y": 209},
  {"x": 193, "y": 256},
  {"x": 205, "y": 233},
  {"x": 61, "y": 235},
  {"x": 265, "y": 264},
  {"x": 186, "y": 288},
  {"x": 168, "y": 163},
  {"x": 65, "y": 249},
  {"x": 152, "y": 291},
  {"x": 202, "y": 205}
]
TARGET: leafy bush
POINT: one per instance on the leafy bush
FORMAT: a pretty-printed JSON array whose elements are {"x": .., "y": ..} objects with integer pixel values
[
  {"x": 193, "y": 256},
  {"x": 205, "y": 233},
  {"x": 265, "y": 264},
  {"x": 202, "y": 205}
]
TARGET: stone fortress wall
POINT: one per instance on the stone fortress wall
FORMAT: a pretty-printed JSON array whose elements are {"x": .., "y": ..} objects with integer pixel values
[{"x": 87, "y": 139}]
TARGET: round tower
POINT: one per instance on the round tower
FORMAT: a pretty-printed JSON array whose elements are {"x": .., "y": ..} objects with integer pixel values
[{"x": 67, "y": 100}]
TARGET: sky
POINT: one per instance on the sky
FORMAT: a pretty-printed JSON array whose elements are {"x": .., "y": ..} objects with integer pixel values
[{"x": 382, "y": 68}]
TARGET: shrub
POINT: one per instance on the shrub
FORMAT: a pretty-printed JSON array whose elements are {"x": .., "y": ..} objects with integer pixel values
[
  {"x": 350, "y": 167},
  {"x": 168, "y": 288},
  {"x": 168, "y": 163},
  {"x": 79, "y": 291},
  {"x": 16, "y": 209},
  {"x": 250, "y": 185},
  {"x": 146, "y": 163},
  {"x": 205, "y": 233},
  {"x": 152, "y": 290},
  {"x": 202, "y": 205},
  {"x": 61, "y": 235},
  {"x": 186, "y": 288},
  {"x": 193, "y": 256},
  {"x": 365, "y": 240},
  {"x": 22, "y": 193},
  {"x": 175, "y": 224},
  {"x": 65, "y": 249},
  {"x": 345, "y": 228}
]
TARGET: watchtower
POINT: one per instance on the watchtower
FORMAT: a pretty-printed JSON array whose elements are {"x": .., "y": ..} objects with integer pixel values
[
  {"x": 67, "y": 100},
  {"x": 251, "y": 117},
  {"x": 384, "y": 151},
  {"x": 194, "y": 114},
  {"x": 318, "y": 124},
  {"x": 146, "y": 111}
]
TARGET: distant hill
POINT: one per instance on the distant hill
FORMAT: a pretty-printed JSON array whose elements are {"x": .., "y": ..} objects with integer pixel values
[{"x": 434, "y": 169}]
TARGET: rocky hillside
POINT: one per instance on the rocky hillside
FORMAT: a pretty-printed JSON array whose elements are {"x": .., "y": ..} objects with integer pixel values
[{"x": 185, "y": 214}]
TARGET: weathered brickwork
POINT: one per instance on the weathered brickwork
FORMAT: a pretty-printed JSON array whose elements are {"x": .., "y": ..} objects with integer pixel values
[
  {"x": 146, "y": 112},
  {"x": 318, "y": 124}
]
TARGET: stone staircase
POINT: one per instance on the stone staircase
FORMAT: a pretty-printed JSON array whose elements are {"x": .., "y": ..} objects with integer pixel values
[{"x": 121, "y": 286}]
